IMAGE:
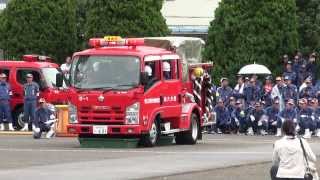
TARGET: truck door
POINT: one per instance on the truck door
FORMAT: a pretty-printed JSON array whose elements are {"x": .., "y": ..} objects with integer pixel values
[{"x": 170, "y": 98}]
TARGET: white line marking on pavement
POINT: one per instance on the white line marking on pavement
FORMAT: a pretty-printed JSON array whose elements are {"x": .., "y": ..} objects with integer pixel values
[{"x": 131, "y": 151}]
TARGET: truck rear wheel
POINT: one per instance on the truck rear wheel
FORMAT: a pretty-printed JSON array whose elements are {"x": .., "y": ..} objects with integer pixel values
[
  {"x": 17, "y": 119},
  {"x": 190, "y": 136},
  {"x": 151, "y": 138}
]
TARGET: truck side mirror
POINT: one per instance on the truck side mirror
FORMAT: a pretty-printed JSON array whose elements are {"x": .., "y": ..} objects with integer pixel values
[
  {"x": 59, "y": 80},
  {"x": 144, "y": 78}
]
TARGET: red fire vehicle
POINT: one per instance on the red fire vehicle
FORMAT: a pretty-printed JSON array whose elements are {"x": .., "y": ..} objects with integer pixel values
[
  {"x": 113, "y": 94},
  {"x": 44, "y": 73}
]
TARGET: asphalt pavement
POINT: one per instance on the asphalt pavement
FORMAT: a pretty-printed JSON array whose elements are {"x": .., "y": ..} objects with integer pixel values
[{"x": 215, "y": 157}]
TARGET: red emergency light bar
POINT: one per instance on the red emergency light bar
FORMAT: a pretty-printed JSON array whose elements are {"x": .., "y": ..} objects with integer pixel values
[
  {"x": 36, "y": 58},
  {"x": 116, "y": 41}
]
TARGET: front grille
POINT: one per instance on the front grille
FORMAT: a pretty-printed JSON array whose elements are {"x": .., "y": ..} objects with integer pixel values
[{"x": 101, "y": 115}]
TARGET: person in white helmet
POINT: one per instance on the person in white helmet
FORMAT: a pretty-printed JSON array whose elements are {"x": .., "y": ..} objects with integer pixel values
[
  {"x": 166, "y": 70},
  {"x": 151, "y": 78}
]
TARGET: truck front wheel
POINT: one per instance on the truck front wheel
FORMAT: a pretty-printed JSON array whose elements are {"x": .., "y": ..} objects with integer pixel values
[
  {"x": 151, "y": 138},
  {"x": 190, "y": 136}
]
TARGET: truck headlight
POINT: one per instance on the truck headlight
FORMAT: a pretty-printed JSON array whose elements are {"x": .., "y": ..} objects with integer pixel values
[
  {"x": 132, "y": 114},
  {"x": 73, "y": 117}
]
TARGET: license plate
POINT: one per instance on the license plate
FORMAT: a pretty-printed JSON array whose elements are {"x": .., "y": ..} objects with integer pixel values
[{"x": 100, "y": 129}]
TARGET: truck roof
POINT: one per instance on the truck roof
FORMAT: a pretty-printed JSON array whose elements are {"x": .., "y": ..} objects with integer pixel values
[
  {"x": 26, "y": 64},
  {"x": 139, "y": 51}
]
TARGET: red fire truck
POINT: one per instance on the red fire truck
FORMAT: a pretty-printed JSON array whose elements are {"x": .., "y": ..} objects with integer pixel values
[
  {"x": 44, "y": 73},
  {"x": 142, "y": 88}
]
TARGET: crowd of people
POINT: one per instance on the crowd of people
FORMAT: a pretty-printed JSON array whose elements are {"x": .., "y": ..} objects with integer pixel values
[{"x": 253, "y": 107}]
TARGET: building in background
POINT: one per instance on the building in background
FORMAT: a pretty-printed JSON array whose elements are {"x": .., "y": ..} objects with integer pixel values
[{"x": 189, "y": 17}]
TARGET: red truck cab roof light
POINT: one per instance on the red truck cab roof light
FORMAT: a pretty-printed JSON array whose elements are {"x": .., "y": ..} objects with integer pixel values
[
  {"x": 115, "y": 41},
  {"x": 36, "y": 58}
]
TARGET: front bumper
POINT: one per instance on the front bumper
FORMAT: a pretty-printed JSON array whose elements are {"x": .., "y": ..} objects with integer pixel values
[{"x": 112, "y": 129}]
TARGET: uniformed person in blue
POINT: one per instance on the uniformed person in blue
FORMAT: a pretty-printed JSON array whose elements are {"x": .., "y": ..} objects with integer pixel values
[
  {"x": 222, "y": 117},
  {"x": 289, "y": 113},
  {"x": 224, "y": 91},
  {"x": 272, "y": 113},
  {"x": 239, "y": 118},
  {"x": 31, "y": 94},
  {"x": 289, "y": 72},
  {"x": 5, "y": 112},
  {"x": 316, "y": 114},
  {"x": 258, "y": 118},
  {"x": 44, "y": 120},
  {"x": 305, "y": 118},
  {"x": 308, "y": 91},
  {"x": 290, "y": 90},
  {"x": 252, "y": 93}
]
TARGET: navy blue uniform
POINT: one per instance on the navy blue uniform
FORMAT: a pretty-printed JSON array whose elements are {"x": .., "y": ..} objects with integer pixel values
[
  {"x": 290, "y": 92},
  {"x": 254, "y": 116},
  {"x": 291, "y": 74},
  {"x": 272, "y": 114},
  {"x": 42, "y": 117},
  {"x": 5, "y": 112},
  {"x": 31, "y": 92},
  {"x": 239, "y": 120},
  {"x": 308, "y": 92},
  {"x": 224, "y": 93},
  {"x": 223, "y": 118},
  {"x": 316, "y": 115},
  {"x": 305, "y": 119},
  {"x": 287, "y": 114},
  {"x": 252, "y": 94}
]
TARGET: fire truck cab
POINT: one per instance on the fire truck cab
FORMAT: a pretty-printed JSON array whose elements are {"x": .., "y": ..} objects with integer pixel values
[
  {"x": 44, "y": 73},
  {"x": 138, "y": 87}
]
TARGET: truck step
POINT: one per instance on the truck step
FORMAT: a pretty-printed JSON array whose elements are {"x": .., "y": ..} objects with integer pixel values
[{"x": 171, "y": 131}]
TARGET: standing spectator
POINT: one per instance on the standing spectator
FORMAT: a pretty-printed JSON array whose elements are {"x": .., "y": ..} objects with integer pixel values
[
  {"x": 311, "y": 67},
  {"x": 288, "y": 157},
  {"x": 239, "y": 88},
  {"x": 288, "y": 114},
  {"x": 277, "y": 92},
  {"x": 65, "y": 67},
  {"x": 290, "y": 91},
  {"x": 290, "y": 73},
  {"x": 5, "y": 112},
  {"x": 31, "y": 93},
  {"x": 222, "y": 116},
  {"x": 252, "y": 93},
  {"x": 224, "y": 91},
  {"x": 44, "y": 121},
  {"x": 316, "y": 114},
  {"x": 305, "y": 118},
  {"x": 272, "y": 113},
  {"x": 267, "y": 88},
  {"x": 258, "y": 118},
  {"x": 308, "y": 91},
  {"x": 256, "y": 81},
  {"x": 285, "y": 59},
  {"x": 302, "y": 75}
]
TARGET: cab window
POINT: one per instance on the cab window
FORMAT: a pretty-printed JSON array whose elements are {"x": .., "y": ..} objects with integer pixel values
[
  {"x": 153, "y": 71},
  {"x": 170, "y": 69},
  {"x": 21, "y": 75},
  {"x": 6, "y": 72}
]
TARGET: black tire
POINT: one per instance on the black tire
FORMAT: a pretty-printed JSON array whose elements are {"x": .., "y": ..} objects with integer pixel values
[
  {"x": 190, "y": 136},
  {"x": 17, "y": 118},
  {"x": 151, "y": 138}
]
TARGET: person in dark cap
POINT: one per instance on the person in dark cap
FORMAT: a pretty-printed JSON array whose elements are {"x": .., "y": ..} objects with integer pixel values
[
  {"x": 44, "y": 121},
  {"x": 252, "y": 93},
  {"x": 239, "y": 122},
  {"x": 238, "y": 91},
  {"x": 258, "y": 118},
  {"x": 278, "y": 91},
  {"x": 267, "y": 88},
  {"x": 31, "y": 94},
  {"x": 305, "y": 118},
  {"x": 222, "y": 117},
  {"x": 290, "y": 73},
  {"x": 224, "y": 91},
  {"x": 290, "y": 91},
  {"x": 272, "y": 113},
  {"x": 5, "y": 96},
  {"x": 316, "y": 114},
  {"x": 308, "y": 91},
  {"x": 289, "y": 113},
  {"x": 311, "y": 67}
]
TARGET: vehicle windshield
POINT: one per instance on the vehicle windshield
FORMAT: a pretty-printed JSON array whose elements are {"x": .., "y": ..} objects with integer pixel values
[
  {"x": 105, "y": 72},
  {"x": 50, "y": 77}
]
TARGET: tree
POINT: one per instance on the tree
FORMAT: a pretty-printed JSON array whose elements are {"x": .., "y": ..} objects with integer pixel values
[
  {"x": 127, "y": 18},
  {"x": 248, "y": 31},
  {"x": 39, "y": 27},
  {"x": 309, "y": 25}
]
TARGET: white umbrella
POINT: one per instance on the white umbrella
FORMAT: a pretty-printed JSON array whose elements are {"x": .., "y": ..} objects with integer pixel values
[{"x": 254, "y": 69}]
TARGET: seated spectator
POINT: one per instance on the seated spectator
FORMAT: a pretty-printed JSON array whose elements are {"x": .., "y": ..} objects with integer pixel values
[
  {"x": 305, "y": 118},
  {"x": 316, "y": 114},
  {"x": 239, "y": 121},
  {"x": 239, "y": 88},
  {"x": 307, "y": 90},
  {"x": 267, "y": 88},
  {"x": 289, "y": 113},
  {"x": 272, "y": 113},
  {"x": 222, "y": 117},
  {"x": 290, "y": 91},
  {"x": 224, "y": 91},
  {"x": 44, "y": 121},
  {"x": 257, "y": 116}
]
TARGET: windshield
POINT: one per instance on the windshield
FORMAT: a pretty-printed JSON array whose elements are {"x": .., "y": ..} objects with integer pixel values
[
  {"x": 94, "y": 72},
  {"x": 50, "y": 77}
]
